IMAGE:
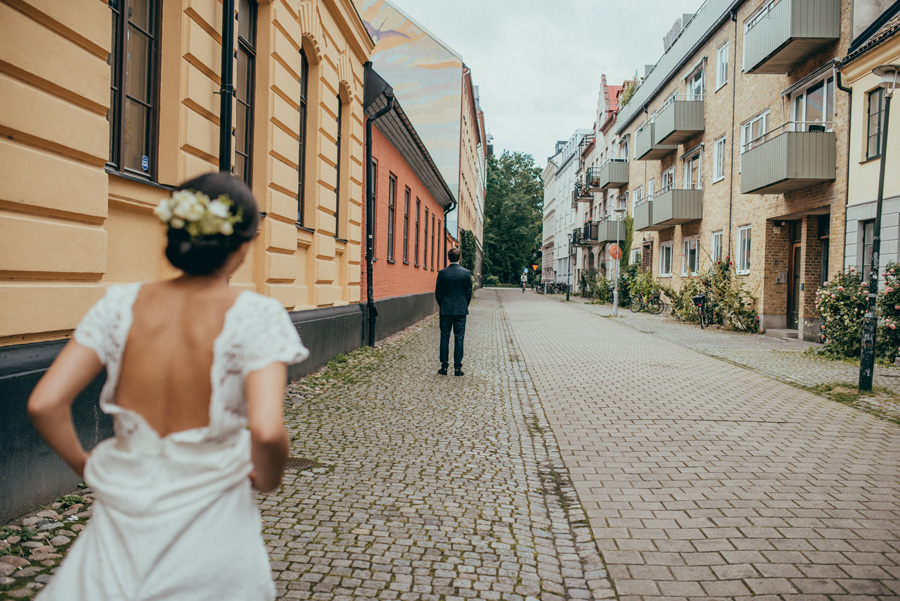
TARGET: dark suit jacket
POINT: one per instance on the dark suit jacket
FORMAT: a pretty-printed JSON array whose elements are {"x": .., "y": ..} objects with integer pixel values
[{"x": 453, "y": 290}]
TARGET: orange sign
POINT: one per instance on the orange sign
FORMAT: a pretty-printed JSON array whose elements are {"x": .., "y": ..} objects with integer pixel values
[
  {"x": 615, "y": 252},
  {"x": 534, "y": 267}
]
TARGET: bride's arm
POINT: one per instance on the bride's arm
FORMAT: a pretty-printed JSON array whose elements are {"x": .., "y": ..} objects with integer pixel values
[
  {"x": 50, "y": 404},
  {"x": 264, "y": 390}
]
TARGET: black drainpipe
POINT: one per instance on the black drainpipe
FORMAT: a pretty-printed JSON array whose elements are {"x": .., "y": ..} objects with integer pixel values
[
  {"x": 371, "y": 311},
  {"x": 449, "y": 208},
  {"x": 735, "y": 138},
  {"x": 226, "y": 92}
]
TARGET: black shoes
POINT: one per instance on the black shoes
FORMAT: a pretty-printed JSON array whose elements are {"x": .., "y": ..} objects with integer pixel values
[
  {"x": 458, "y": 372},
  {"x": 442, "y": 371}
]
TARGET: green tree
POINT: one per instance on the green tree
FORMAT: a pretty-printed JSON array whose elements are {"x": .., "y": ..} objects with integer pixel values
[
  {"x": 469, "y": 248},
  {"x": 513, "y": 210}
]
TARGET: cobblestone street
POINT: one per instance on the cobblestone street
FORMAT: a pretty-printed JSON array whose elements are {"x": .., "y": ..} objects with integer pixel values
[{"x": 579, "y": 458}]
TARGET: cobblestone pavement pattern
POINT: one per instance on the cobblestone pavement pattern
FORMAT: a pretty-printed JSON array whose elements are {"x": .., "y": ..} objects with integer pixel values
[
  {"x": 703, "y": 479},
  {"x": 695, "y": 477},
  {"x": 435, "y": 487},
  {"x": 786, "y": 360}
]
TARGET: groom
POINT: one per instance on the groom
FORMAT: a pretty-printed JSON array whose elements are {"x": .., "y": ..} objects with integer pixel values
[{"x": 453, "y": 292}]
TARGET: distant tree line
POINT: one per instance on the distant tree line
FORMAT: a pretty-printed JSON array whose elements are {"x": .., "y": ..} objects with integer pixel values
[{"x": 513, "y": 212}]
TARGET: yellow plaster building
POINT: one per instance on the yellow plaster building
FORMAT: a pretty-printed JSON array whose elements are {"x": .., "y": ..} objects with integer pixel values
[
  {"x": 94, "y": 137},
  {"x": 104, "y": 107}
]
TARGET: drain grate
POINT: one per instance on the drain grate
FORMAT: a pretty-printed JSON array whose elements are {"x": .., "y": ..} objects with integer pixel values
[{"x": 299, "y": 463}]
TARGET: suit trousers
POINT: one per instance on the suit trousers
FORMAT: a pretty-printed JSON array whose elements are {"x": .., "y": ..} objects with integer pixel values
[{"x": 457, "y": 323}]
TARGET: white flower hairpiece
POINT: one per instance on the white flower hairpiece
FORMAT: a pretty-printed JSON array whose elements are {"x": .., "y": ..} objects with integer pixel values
[{"x": 197, "y": 214}]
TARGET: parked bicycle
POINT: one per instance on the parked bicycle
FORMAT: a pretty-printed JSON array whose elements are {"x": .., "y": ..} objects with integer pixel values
[
  {"x": 653, "y": 303},
  {"x": 702, "y": 309}
]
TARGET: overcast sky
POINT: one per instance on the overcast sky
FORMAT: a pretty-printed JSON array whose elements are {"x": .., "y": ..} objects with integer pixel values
[{"x": 538, "y": 62}]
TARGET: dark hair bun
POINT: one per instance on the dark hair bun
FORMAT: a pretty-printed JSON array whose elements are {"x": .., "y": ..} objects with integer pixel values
[
  {"x": 206, "y": 254},
  {"x": 201, "y": 256}
]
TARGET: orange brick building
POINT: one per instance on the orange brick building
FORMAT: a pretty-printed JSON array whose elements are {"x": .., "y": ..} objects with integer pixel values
[{"x": 411, "y": 201}]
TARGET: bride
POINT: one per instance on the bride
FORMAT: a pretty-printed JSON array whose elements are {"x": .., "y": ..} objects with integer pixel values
[{"x": 195, "y": 375}]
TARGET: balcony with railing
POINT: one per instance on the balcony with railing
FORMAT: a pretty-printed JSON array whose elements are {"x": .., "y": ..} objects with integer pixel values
[
  {"x": 674, "y": 206},
  {"x": 680, "y": 118},
  {"x": 793, "y": 156},
  {"x": 581, "y": 193},
  {"x": 643, "y": 216},
  {"x": 578, "y": 237},
  {"x": 592, "y": 178},
  {"x": 609, "y": 230},
  {"x": 646, "y": 147},
  {"x": 589, "y": 232},
  {"x": 783, "y": 36},
  {"x": 613, "y": 174}
]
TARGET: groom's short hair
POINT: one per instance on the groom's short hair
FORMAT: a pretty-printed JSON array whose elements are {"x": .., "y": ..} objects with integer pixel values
[{"x": 453, "y": 254}]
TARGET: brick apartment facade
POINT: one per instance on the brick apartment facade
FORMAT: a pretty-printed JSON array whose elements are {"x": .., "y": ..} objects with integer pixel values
[{"x": 738, "y": 149}]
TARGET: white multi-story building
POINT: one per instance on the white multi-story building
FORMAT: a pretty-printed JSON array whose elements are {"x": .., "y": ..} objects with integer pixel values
[{"x": 560, "y": 219}]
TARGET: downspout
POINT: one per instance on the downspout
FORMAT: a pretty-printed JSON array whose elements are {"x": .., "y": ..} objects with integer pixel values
[
  {"x": 449, "y": 208},
  {"x": 226, "y": 92},
  {"x": 371, "y": 311},
  {"x": 841, "y": 87},
  {"x": 734, "y": 138}
]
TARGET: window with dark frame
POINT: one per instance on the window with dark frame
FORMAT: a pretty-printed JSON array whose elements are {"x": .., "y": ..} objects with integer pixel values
[
  {"x": 243, "y": 89},
  {"x": 432, "y": 242},
  {"x": 392, "y": 193},
  {"x": 425, "y": 243},
  {"x": 876, "y": 118},
  {"x": 301, "y": 138},
  {"x": 416, "y": 248},
  {"x": 440, "y": 237},
  {"x": 406, "y": 226},
  {"x": 868, "y": 236},
  {"x": 337, "y": 166},
  {"x": 134, "y": 78}
]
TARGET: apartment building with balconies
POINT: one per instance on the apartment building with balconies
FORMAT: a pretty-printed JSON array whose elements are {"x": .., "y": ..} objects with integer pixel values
[
  {"x": 603, "y": 164},
  {"x": 739, "y": 137},
  {"x": 560, "y": 201}
]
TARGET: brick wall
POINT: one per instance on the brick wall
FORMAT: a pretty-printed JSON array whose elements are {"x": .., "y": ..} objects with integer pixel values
[{"x": 397, "y": 277}]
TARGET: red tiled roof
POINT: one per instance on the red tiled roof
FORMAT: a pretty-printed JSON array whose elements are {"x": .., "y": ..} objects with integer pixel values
[
  {"x": 888, "y": 30},
  {"x": 614, "y": 97}
]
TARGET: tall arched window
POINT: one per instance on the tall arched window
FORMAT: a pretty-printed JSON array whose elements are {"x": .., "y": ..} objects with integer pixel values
[
  {"x": 301, "y": 139},
  {"x": 337, "y": 166},
  {"x": 243, "y": 89}
]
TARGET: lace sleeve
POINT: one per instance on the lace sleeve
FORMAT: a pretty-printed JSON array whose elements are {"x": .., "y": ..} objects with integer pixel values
[
  {"x": 274, "y": 339},
  {"x": 93, "y": 331}
]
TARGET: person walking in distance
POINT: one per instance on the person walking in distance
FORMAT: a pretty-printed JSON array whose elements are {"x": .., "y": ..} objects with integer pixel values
[
  {"x": 453, "y": 292},
  {"x": 524, "y": 280}
]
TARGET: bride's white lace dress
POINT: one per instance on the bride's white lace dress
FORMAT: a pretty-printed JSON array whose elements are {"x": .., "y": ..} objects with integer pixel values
[{"x": 174, "y": 517}]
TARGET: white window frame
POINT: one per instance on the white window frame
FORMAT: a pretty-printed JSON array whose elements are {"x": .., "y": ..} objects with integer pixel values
[
  {"x": 665, "y": 248},
  {"x": 668, "y": 179},
  {"x": 651, "y": 186},
  {"x": 799, "y": 122},
  {"x": 696, "y": 155},
  {"x": 686, "y": 245},
  {"x": 716, "y": 252},
  {"x": 744, "y": 237},
  {"x": 719, "y": 162},
  {"x": 636, "y": 196},
  {"x": 747, "y": 127},
  {"x": 722, "y": 65},
  {"x": 699, "y": 71},
  {"x": 634, "y": 256}
]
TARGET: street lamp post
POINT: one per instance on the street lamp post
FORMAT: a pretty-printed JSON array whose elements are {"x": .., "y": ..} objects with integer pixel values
[
  {"x": 569, "y": 268},
  {"x": 618, "y": 211},
  {"x": 889, "y": 75}
]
